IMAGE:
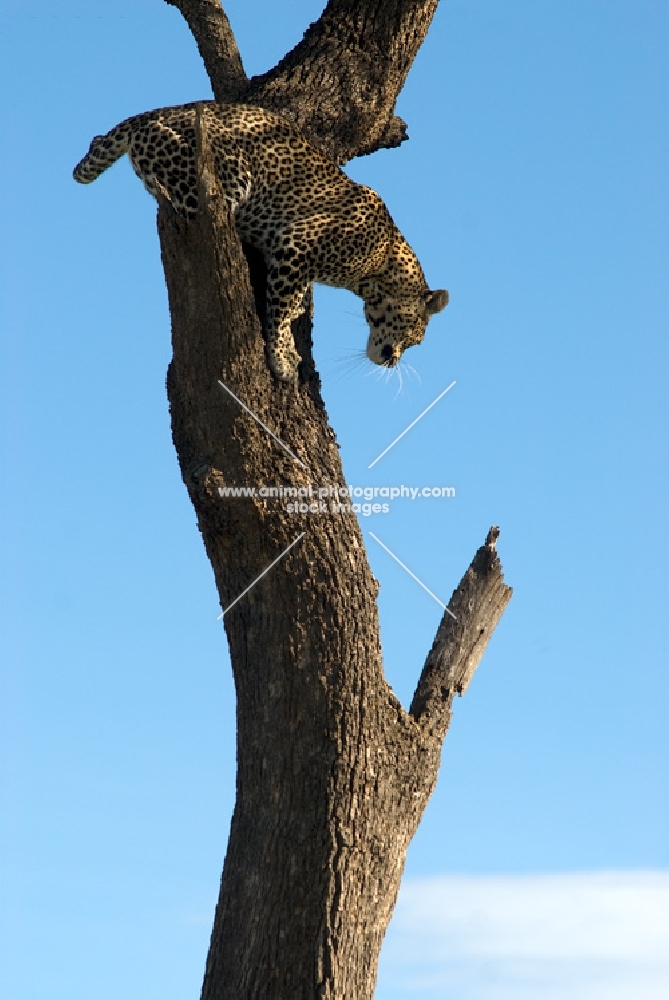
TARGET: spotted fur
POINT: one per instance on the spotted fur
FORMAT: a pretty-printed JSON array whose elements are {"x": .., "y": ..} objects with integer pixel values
[{"x": 311, "y": 222}]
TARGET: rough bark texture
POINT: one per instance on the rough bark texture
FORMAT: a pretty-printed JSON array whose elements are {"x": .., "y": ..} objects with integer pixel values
[{"x": 333, "y": 774}]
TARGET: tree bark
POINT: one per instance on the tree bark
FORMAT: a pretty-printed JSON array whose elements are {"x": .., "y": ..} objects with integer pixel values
[{"x": 333, "y": 774}]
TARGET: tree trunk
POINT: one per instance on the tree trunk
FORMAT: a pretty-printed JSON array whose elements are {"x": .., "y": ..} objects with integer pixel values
[{"x": 333, "y": 774}]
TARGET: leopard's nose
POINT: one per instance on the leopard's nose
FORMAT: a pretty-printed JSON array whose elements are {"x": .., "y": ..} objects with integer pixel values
[{"x": 387, "y": 353}]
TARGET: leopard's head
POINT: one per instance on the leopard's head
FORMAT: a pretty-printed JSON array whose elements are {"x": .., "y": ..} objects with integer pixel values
[{"x": 395, "y": 324}]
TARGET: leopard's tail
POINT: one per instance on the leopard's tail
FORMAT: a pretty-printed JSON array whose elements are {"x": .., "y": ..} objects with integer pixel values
[{"x": 105, "y": 150}]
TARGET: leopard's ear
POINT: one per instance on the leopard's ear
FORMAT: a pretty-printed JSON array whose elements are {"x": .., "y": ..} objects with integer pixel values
[{"x": 434, "y": 302}]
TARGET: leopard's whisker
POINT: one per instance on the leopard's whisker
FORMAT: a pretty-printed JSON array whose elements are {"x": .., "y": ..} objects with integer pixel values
[
  {"x": 398, "y": 370},
  {"x": 350, "y": 363},
  {"x": 410, "y": 369}
]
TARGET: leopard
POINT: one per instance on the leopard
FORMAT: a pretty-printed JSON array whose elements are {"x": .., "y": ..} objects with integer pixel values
[{"x": 310, "y": 221}]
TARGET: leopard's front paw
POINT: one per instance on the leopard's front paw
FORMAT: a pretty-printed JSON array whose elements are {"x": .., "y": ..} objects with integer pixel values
[{"x": 284, "y": 362}]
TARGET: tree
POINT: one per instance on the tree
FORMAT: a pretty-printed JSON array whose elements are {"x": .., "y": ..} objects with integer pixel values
[{"x": 333, "y": 774}]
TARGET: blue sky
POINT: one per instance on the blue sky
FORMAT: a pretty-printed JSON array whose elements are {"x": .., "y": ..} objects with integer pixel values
[{"x": 533, "y": 188}]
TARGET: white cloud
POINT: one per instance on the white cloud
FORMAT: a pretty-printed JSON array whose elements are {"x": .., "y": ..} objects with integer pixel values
[{"x": 590, "y": 936}]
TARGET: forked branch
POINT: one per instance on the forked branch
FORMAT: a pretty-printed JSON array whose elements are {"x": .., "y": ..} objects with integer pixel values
[{"x": 340, "y": 82}]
